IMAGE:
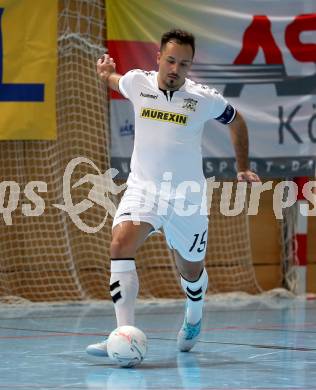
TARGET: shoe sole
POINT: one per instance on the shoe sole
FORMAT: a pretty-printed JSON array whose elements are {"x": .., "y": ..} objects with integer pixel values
[{"x": 96, "y": 352}]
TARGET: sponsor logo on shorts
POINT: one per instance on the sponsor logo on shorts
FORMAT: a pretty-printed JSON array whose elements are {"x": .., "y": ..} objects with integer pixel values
[
  {"x": 148, "y": 95},
  {"x": 164, "y": 116}
]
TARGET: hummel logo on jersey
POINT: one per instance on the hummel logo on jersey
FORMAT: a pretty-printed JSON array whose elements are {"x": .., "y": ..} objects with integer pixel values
[
  {"x": 190, "y": 104},
  {"x": 148, "y": 95},
  {"x": 165, "y": 116}
]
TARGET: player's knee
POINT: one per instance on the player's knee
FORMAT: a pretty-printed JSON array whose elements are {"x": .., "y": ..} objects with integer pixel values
[
  {"x": 192, "y": 271},
  {"x": 122, "y": 247},
  {"x": 191, "y": 276}
]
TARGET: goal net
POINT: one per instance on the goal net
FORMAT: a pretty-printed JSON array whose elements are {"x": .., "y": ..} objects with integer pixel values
[{"x": 46, "y": 257}]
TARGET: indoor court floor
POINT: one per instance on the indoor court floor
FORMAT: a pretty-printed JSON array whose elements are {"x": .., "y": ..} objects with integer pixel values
[{"x": 264, "y": 344}]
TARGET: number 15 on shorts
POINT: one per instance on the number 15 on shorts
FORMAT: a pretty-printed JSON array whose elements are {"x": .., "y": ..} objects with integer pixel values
[{"x": 199, "y": 242}]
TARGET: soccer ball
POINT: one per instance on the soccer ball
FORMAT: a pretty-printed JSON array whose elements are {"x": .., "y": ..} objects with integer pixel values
[{"x": 127, "y": 346}]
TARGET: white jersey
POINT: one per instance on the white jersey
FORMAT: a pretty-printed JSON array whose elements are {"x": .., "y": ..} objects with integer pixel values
[{"x": 168, "y": 130}]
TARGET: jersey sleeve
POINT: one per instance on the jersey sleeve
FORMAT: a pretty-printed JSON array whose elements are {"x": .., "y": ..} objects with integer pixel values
[
  {"x": 219, "y": 108},
  {"x": 126, "y": 84}
]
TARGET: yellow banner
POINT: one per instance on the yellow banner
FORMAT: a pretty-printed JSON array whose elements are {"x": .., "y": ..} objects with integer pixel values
[
  {"x": 145, "y": 21},
  {"x": 28, "y": 64}
]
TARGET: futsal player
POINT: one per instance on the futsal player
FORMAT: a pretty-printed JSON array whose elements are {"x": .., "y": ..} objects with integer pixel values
[{"x": 170, "y": 112}]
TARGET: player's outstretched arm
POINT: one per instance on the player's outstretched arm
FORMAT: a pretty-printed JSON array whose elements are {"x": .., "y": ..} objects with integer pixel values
[
  {"x": 239, "y": 137},
  {"x": 106, "y": 72}
]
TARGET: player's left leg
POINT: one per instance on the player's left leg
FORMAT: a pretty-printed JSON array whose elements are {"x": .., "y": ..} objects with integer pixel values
[
  {"x": 188, "y": 237},
  {"x": 194, "y": 280}
]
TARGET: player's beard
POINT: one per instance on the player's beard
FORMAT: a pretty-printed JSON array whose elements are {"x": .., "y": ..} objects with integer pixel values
[{"x": 173, "y": 84}]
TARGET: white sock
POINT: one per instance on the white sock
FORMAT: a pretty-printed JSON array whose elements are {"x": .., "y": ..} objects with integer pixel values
[
  {"x": 195, "y": 292},
  {"x": 124, "y": 287}
]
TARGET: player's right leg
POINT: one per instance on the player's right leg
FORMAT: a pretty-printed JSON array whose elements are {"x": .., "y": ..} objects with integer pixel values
[
  {"x": 127, "y": 237},
  {"x": 135, "y": 218}
]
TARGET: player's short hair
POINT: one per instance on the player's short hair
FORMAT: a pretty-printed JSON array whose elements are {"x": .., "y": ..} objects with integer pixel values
[{"x": 180, "y": 36}]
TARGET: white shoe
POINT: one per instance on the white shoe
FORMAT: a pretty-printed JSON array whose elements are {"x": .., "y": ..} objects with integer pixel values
[
  {"x": 98, "y": 349},
  {"x": 188, "y": 336}
]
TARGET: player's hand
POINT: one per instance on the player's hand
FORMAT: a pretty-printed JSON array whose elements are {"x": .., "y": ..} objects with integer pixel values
[
  {"x": 105, "y": 67},
  {"x": 248, "y": 176}
]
